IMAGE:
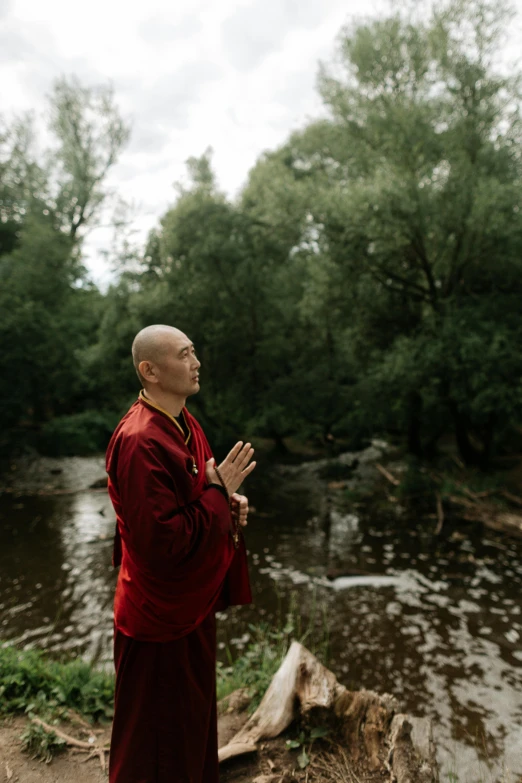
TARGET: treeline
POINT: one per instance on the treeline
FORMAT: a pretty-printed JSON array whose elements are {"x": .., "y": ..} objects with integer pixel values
[{"x": 367, "y": 279}]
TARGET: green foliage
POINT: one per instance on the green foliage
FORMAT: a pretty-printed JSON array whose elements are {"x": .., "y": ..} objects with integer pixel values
[
  {"x": 40, "y": 743},
  {"x": 78, "y": 434},
  {"x": 416, "y": 482},
  {"x": 255, "y": 668},
  {"x": 419, "y": 214},
  {"x": 30, "y": 682},
  {"x": 90, "y": 134},
  {"x": 306, "y": 738},
  {"x": 50, "y": 310},
  {"x": 266, "y": 649},
  {"x": 365, "y": 281}
]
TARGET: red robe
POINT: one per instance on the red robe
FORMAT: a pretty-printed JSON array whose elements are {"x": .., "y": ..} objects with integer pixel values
[{"x": 178, "y": 566}]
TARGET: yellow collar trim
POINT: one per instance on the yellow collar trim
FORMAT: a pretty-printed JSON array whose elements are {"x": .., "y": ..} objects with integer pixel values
[{"x": 169, "y": 415}]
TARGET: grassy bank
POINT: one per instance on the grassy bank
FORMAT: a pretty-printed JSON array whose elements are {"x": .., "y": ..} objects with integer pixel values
[
  {"x": 55, "y": 691},
  {"x": 33, "y": 684}
]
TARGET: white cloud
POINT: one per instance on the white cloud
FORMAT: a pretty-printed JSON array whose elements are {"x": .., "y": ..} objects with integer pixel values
[{"x": 237, "y": 75}]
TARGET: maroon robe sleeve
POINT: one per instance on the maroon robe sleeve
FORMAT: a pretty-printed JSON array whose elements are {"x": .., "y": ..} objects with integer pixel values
[{"x": 161, "y": 529}]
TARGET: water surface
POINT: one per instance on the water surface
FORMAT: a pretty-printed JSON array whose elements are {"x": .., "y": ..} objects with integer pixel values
[{"x": 437, "y": 621}]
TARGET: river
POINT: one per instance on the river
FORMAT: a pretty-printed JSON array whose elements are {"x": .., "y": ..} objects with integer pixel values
[{"x": 436, "y": 621}]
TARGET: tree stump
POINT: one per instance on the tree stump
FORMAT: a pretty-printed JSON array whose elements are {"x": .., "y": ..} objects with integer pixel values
[{"x": 370, "y": 728}]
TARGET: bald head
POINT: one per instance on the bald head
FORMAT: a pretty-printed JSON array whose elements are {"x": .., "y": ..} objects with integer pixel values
[{"x": 153, "y": 343}]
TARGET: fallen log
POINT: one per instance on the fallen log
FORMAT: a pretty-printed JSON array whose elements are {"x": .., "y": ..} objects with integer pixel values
[
  {"x": 490, "y": 516},
  {"x": 371, "y": 730}
]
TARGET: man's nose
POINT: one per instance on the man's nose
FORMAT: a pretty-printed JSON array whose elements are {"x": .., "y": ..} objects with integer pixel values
[{"x": 197, "y": 363}]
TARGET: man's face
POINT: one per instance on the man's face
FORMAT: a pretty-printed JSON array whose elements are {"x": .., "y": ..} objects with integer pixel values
[{"x": 177, "y": 370}]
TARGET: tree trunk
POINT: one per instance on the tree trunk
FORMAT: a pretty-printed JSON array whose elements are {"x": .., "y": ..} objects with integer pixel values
[
  {"x": 414, "y": 424},
  {"x": 280, "y": 445},
  {"x": 470, "y": 455}
]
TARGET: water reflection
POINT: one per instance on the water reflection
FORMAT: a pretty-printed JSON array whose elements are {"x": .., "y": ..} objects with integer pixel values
[
  {"x": 436, "y": 621},
  {"x": 56, "y": 577}
]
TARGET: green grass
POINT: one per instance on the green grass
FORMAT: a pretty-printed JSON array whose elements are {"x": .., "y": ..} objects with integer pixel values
[
  {"x": 267, "y": 647},
  {"x": 32, "y": 683}
]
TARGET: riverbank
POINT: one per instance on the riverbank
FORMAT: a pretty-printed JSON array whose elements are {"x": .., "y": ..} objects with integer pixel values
[
  {"x": 306, "y": 723},
  {"x": 444, "y": 490}
]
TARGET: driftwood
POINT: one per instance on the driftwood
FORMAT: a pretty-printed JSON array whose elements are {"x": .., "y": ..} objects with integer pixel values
[
  {"x": 80, "y": 746},
  {"x": 233, "y": 749},
  {"x": 477, "y": 508},
  {"x": 387, "y": 475},
  {"x": 372, "y": 731},
  {"x": 513, "y": 498},
  {"x": 490, "y": 516}
]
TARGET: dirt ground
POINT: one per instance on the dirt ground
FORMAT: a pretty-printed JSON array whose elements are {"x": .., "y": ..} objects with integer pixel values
[
  {"x": 17, "y": 767},
  {"x": 273, "y": 763}
]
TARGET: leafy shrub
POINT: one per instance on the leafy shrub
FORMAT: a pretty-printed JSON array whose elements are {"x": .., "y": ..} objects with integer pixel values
[
  {"x": 78, "y": 434},
  {"x": 416, "y": 481},
  {"x": 28, "y": 680}
]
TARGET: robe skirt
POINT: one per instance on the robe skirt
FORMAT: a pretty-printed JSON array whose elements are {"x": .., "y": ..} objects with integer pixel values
[{"x": 165, "y": 723}]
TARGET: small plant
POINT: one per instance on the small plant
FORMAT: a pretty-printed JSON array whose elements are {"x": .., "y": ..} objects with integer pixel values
[
  {"x": 305, "y": 739},
  {"x": 41, "y": 744},
  {"x": 29, "y": 682},
  {"x": 416, "y": 481},
  {"x": 267, "y": 647}
]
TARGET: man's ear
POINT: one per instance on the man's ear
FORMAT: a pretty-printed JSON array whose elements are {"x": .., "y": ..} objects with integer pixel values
[{"x": 147, "y": 371}]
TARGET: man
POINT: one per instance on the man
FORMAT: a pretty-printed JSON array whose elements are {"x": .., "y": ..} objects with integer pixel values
[{"x": 181, "y": 557}]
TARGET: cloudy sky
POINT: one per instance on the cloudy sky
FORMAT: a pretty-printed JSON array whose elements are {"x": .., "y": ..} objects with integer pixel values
[{"x": 237, "y": 75}]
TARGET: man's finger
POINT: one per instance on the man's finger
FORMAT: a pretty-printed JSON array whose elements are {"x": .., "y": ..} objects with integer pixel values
[
  {"x": 247, "y": 471},
  {"x": 232, "y": 454},
  {"x": 247, "y": 448},
  {"x": 245, "y": 457}
]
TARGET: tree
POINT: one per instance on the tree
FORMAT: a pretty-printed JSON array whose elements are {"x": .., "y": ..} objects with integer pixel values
[
  {"x": 91, "y": 134},
  {"x": 50, "y": 309},
  {"x": 417, "y": 175}
]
